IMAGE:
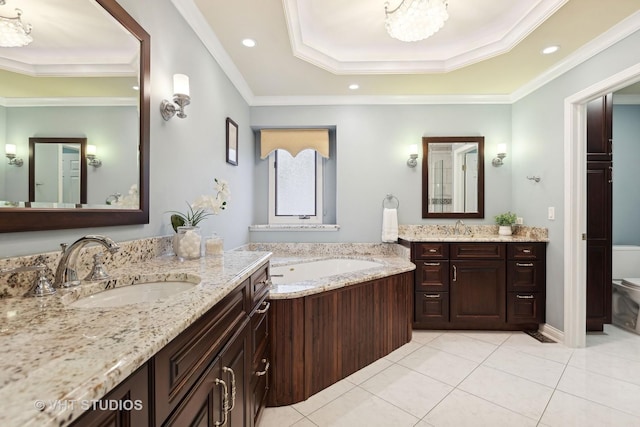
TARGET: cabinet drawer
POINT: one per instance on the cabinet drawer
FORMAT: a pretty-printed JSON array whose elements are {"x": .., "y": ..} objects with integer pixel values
[
  {"x": 431, "y": 250},
  {"x": 431, "y": 306},
  {"x": 526, "y": 251},
  {"x": 526, "y": 276},
  {"x": 260, "y": 284},
  {"x": 179, "y": 364},
  {"x": 525, "y": 307},
  {"x": 432, "y": 275},
  {"x": 477, "y": 250}
]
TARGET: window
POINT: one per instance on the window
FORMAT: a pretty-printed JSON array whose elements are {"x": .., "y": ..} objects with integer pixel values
[{"x": 295, "y": 187}]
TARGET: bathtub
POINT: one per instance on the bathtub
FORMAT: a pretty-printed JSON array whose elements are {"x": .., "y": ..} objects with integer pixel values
[{"x": 314, "y": 270}]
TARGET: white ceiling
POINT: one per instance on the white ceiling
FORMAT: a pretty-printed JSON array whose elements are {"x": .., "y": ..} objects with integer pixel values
[
  {"x": 70, "y": 38},
  {"x": 310, "y": 51}
]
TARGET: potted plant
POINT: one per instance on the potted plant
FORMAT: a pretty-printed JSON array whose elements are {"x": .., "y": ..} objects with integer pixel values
[{"x": 505, "y": 221}]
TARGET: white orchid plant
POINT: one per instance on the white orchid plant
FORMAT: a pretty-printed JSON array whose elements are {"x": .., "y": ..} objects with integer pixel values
[{"x": 203, "y": 206}]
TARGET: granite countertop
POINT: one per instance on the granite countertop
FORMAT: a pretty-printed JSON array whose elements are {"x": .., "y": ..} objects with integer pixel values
[
  {"x": 54, "y": 353},
  {"x": 389, "y": 265},
  {"x": 470, "y": 233}
]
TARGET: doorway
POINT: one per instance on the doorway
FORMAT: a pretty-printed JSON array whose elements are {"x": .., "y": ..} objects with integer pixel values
[{"x": 575, "y": 202}]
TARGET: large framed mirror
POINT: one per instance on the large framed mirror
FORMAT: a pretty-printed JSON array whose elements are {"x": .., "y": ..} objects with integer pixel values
[
  {"x": 453, "y": 177},
  {"x": 99, "y": 94}
]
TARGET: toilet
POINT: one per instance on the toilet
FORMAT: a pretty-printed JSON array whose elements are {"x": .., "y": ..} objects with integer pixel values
[{"x": 625, "y": 268}]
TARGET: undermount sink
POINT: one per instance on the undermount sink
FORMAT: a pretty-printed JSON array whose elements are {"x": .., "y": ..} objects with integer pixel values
[{"x": 133, "y": 294}]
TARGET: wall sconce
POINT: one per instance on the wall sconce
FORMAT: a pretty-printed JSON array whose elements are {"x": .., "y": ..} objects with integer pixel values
[
  {"x": 502, "y": 153},
  {"x": 91, "y": 155},
  {"x": 181, "y": 98},
  {"x": 10, "y": 152},
  {"x": 413, "y": 155}
]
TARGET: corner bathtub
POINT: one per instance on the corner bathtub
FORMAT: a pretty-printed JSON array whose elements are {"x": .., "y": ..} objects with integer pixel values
[
  {"x": 329, "y": 318},
  {"x": 314, "y": 270}
]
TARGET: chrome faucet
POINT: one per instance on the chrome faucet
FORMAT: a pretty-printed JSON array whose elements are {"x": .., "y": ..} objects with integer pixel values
[
  {"x": 66, "y": 273},
  {"x": 455, "y": 228}
]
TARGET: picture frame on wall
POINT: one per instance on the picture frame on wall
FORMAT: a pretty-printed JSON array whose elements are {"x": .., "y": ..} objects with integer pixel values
[{"x": 232, "y": 142}]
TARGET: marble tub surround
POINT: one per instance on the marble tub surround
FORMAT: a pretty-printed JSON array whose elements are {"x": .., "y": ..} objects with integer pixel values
[
  {"x": 474, "y": 232},
  {"x": 54, "y": 353},
  {"x": 394, "y": 259},
  {"x": 135, "y": 251}
]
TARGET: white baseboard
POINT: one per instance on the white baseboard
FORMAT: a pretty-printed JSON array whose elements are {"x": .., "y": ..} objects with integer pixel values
[{"x": 555, "y": 334}]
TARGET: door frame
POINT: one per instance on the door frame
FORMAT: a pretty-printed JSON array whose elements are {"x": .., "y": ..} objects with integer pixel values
[{"x": 575, "y": 198}]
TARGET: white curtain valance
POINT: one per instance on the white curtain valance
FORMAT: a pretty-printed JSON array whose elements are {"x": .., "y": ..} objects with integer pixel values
[{"x": 294, "y": 141}]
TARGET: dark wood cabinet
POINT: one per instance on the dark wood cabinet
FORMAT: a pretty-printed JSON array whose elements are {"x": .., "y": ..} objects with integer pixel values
[
  {"x": 125, "y": 406},
  {"x": 479, "y": 285},
  {"x": 212, "y": 374},
  {"x": 477, "y": 294},
  {"x": 219, "y": 396},
  {"x": 599, "y": 211}
]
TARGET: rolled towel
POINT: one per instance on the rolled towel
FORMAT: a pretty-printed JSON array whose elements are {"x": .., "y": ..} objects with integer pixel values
[{"x": 390, "y": 225}]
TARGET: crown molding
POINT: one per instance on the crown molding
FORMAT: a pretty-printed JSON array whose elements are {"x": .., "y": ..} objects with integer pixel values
[
  {"x": 70, "y": 102},
  {"x": 194, "y": 18}
]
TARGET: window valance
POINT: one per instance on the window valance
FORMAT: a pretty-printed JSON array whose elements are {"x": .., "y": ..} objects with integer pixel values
[{"x": 294, "y": 141}]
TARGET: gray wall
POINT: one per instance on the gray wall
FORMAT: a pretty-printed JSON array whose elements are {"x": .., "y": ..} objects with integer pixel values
[
  {"x": 626, "y": 174},
  {"x": 113, "y": 130},
  {"x": 372, "y": 145},
  {"x": 538, "y": 148},
  {"x": 186, "y": 154}
]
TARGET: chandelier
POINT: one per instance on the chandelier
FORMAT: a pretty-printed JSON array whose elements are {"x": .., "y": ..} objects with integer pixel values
[
  {"x": 14, "y": 32},
  {"x": 415, "y": 20}
]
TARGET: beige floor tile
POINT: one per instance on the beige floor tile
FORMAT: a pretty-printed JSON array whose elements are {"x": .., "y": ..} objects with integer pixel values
[{"x": 409, "y": 390}]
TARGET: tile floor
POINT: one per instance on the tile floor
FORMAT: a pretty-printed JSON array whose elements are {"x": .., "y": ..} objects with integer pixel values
[{"x": 483, "y": 379}]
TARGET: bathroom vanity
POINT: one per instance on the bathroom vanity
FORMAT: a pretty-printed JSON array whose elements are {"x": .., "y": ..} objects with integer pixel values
[
  {"x": 200, "y": 355},
  {"x": 479, "y": 282}
]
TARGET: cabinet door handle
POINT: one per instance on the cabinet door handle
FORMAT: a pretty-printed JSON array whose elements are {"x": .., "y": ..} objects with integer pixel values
[
  {"x": 233, "y": 386},
  {"x": 225, "y": 403},
  {"x": 266, "y": 306},
  {"x": 266, "y": 368},
  {"x": 526, "y": 251},
  {"x": 432, "y": 264},
  {"x": 433, "y": 251},
  {"x": 432, "y": 295},
  {"x": 525, "y": 296},
  {"x": 524, "y": 264},
  {"x": 455, "y": 273}
]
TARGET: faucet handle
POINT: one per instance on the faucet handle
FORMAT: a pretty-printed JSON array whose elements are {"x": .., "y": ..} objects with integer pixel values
[
  {"x": 98, "y": 271},
  {"x": 42, "y": 286}
]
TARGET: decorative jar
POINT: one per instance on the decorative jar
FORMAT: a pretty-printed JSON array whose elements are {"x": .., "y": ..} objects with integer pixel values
[{"x": 187, "y": 243}]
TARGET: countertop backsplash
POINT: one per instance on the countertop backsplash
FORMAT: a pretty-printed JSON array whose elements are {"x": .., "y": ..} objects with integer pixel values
[{"x": 134, "y": 251}]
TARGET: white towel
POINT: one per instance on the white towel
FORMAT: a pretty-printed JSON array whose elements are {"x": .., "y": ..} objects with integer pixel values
[{"x": 390, "y": 225}]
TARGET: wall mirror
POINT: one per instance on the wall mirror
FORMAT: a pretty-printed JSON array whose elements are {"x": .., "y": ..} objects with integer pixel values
[
  {"x": 99, "y": 95},
  {"x": 453, "y": 177}
]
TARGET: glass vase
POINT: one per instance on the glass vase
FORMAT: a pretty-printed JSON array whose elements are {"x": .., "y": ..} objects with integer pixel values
[{"x": 187, "y": 243}]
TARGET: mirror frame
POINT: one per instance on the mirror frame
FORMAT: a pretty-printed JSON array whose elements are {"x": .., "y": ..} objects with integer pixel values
[
  {"x": 36, "y": 219},
  {"x": 83, "y": 163},
  {"x": 425, "y": 176}
]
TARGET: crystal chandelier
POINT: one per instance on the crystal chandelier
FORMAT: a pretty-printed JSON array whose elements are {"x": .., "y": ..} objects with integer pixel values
[
  {"x": 14, "y": 32},
  {"x": 415, "y": 20}
]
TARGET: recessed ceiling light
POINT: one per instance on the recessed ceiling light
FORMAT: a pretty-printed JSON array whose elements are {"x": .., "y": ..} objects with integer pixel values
[
  {"x": 249, "y": 42},
  {"x": 354, "y": 86},
  {"x": 550, "y": 49}
]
